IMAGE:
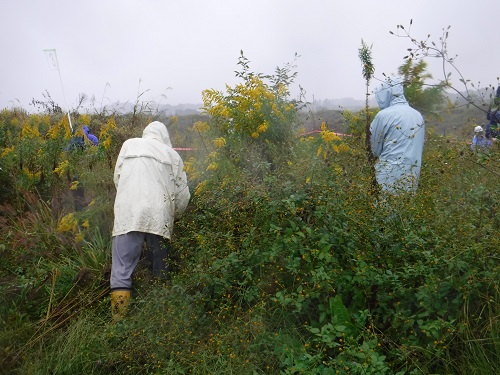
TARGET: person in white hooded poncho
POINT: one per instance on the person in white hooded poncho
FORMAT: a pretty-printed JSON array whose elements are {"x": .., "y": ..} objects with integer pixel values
[
  {"x": 152, "y": 193},
  {"x": 397, "y": 140}
]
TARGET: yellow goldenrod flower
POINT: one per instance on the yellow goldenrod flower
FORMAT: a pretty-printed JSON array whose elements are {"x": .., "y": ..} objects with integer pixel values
[
  {"x": 74, "y": 185},
  {"x": 30, "y": 131},
  {"x": 337, "y": 169},
  {"x": 219, "y": 142},
  {"x": 320, "y": 150},
  {"x": 212, "y": 155},
  {"x": 55, "y": 130},
  {"x": 329, "y": 136},
  {"x": 6, "y": 151},
  {"x": 200, "y": 188},
  {"x": 68, "y": 223},
  {"x": 84, "y": 119},
  {"x": 188, "y": 166},
  {"x": 263, "y": 128},
  {"x": 201, "y": 126},
  {"x": 106, "y": 133},
  {"x": 343, "y": 147},
  {"x": 212, "y": 167},
  {"x": 62, "y": 168},
  {"x": 31, "y": 174},
  {"x": 106, "y": 143}
]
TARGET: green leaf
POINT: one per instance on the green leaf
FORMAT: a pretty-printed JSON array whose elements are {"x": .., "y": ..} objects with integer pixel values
[{"x": 338, "y": 309}]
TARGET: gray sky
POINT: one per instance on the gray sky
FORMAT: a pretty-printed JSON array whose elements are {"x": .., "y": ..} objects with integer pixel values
[{"x": 113, "y": 49}]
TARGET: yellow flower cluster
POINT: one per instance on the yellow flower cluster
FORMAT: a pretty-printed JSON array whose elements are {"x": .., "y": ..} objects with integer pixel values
[
  {"x": 8, "y": 150},
  {"x": 60, "y": 128},
  {"x": 331, "y": 142},
  {"x": 343, "y": 147},
  {"x": 84, "y": 119},
  {"x": 248, "y": 108},
  {"x": 86, "y": 224},
  {"x": 30, "y": 130},
  {"x": 201, "y": 126},
  {"x": 189, "y": 166},
  {"x": 212, "y": 167},
  {"x": 327, "y": 135},
  {"x": 321, "y": 152},
  {"x": 106, "y": 133},
  {"x": 31, "y": 174},
  {"x": 263, "y": 128},
  {"x": 68, "y": 223},
  {"x": 219, "y": 142},
  {"x": 201, "y": 187},
  {"x": 62, "y": 168},
  {"x": 14, "y": 122}
]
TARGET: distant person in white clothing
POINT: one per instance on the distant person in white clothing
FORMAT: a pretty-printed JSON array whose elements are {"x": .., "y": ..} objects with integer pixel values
[{"x": 479, "y": 140}]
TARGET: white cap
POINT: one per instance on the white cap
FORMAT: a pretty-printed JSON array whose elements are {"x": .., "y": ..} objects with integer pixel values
[{"x": 478, "y": 129}]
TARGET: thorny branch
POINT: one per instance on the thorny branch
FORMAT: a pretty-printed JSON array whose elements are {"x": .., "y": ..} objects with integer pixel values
[{"x": 428, "y": 48}]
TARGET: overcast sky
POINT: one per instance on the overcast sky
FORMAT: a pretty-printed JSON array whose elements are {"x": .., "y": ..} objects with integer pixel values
[{"x": 115, "y": 49}]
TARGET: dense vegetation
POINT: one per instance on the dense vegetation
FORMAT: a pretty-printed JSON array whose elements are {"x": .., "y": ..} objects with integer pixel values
[{"x": 284, "y": 263}]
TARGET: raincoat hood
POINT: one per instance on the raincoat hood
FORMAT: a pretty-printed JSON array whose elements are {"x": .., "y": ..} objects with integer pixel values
[
  {"x": 91, "y": 137},
  {"x": 157, "y": 130},
  {"x": 390, "y": 93}
]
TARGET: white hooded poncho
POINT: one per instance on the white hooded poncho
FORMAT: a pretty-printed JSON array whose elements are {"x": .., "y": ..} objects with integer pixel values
[
  {"x": 397, "y": 139},
  {"x": 151, "y": 184}
]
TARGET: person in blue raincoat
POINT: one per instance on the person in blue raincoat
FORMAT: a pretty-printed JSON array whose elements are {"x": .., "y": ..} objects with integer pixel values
[
  {"x": 78, "y": 143},
  {"x": 397, "y": 140},
  {"x": 493, "y": 116},
  {"x": 91, "y": 137}
]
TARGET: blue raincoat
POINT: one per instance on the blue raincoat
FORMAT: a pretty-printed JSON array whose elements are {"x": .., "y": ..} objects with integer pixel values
[
  {"x": 91, "y": 137},
  {"x": 397, "y": 140},
  {"x": 493, "y": 115}
]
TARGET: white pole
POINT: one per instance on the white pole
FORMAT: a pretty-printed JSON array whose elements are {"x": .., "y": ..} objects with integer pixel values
[{"x": 70, "y": 125}]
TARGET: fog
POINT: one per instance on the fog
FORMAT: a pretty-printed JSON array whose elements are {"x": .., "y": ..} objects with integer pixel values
[{"x": 170, "y": 51}]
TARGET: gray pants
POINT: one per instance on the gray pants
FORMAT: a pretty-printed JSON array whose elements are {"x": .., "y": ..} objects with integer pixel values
[{"x": 126, "y": 252}]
